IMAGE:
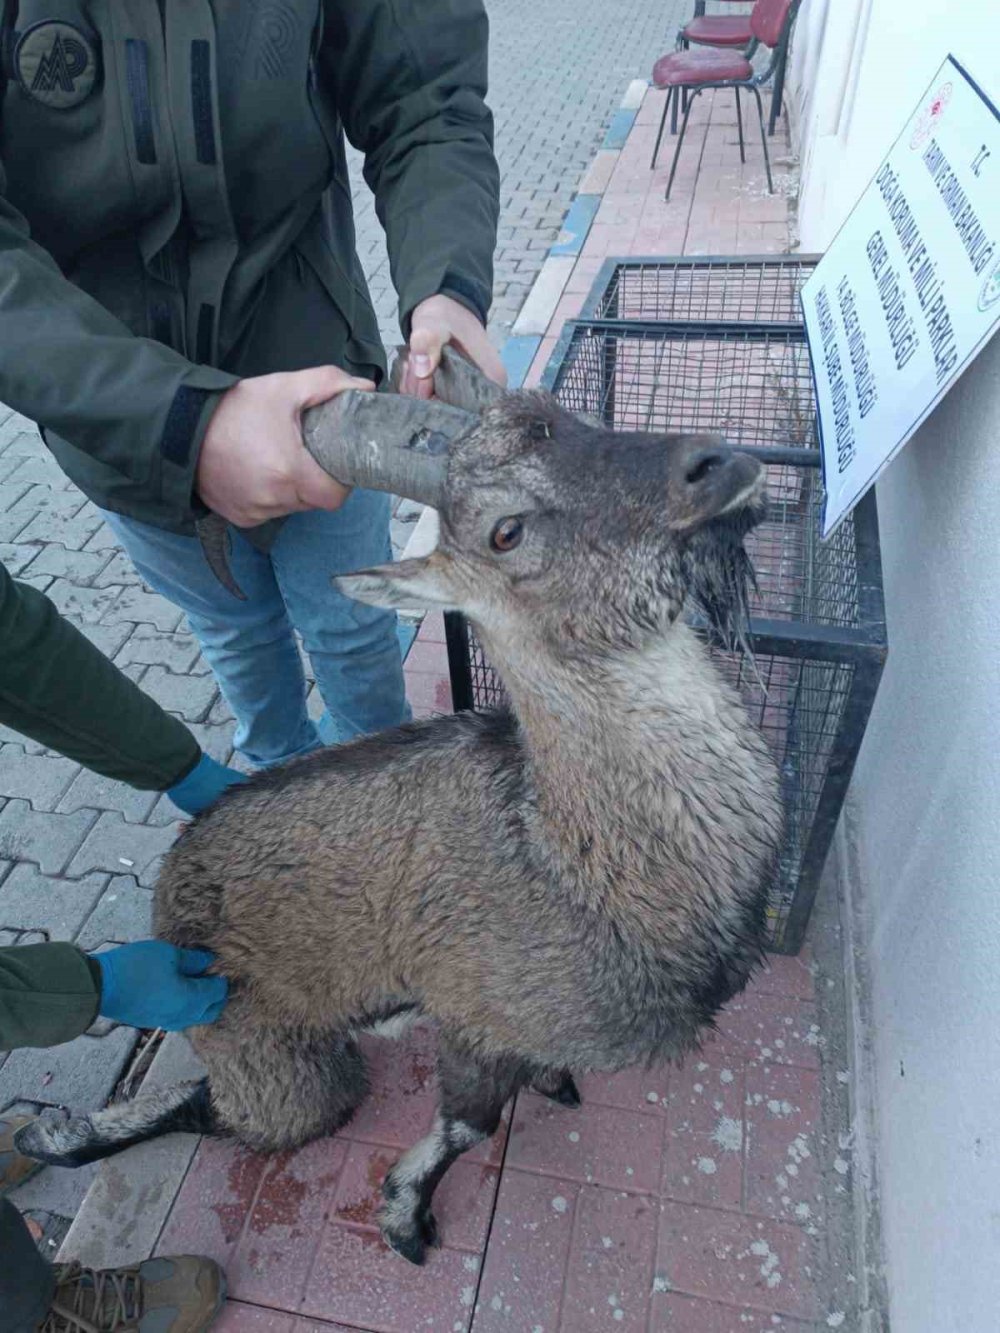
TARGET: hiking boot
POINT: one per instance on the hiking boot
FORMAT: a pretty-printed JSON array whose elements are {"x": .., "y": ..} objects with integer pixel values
[
  {"x": 175, "y": 1295},
  {"x": 15, "y": 1168}
]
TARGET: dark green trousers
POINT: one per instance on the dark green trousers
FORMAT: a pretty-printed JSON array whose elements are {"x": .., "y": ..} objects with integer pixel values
[
  {"x": 26, "y": 1280},
  {"x": 57, "y": 688}
]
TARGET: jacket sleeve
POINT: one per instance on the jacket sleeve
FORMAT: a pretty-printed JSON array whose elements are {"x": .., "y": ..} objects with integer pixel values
[
  {"x": 57, "y": 688},
  {"x": 71, "y": 366},
  {"x": 49, "y": 993},
  {"x": 410, "y": 79}
]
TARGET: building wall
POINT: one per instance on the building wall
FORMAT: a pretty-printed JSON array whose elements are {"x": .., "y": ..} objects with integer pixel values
[{"x": 926, "y": 792}]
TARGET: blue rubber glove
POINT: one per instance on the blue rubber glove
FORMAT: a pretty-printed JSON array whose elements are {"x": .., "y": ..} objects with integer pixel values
[
  {"x": 152, "y": 984},
  {"x": 204, "y": 784}
]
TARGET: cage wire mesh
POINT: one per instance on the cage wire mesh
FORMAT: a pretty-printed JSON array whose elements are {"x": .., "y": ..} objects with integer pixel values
[
  {"x": 738, "y": 289},
  {"x": 716, "y": 362}
]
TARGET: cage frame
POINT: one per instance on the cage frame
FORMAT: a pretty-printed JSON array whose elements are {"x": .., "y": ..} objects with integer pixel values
[{"x": 863, "y": 647}]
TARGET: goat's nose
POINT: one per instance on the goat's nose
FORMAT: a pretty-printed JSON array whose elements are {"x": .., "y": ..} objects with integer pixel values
[{"x": 702, "y": 462}]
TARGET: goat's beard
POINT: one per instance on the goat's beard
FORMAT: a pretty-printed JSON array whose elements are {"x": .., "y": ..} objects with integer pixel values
[{"x": 720, "y": 576}]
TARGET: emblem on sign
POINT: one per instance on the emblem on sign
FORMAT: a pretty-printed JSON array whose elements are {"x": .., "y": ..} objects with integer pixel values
[
  {"x": 989, "y": 293},
  {"x": 930, "y": 116},
  {"x": 56, "y": 64}
]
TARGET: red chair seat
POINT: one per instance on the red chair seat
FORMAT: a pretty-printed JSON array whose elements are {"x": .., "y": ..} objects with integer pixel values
[
  {"x": 710, "y": 30},
  {"x": 690, "y": 68}
]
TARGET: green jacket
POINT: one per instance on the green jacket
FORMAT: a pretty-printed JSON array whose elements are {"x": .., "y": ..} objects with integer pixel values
[
  {"x": 60, "y": 690},
  {"x": 175, "y": 209},
  {"x": 49, "y": 994}
]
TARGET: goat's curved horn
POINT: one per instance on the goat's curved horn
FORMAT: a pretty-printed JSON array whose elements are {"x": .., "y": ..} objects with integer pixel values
[
  {"x": 386, "y": 442},
  {"x": 383, "y": 441},
  {"x": 456, "y": 381}
]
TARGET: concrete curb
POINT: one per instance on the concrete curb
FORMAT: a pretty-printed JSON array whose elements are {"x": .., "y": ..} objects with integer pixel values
[
  {"x": 126, "y": 1207},
  {"x": 536, "y": 314}
]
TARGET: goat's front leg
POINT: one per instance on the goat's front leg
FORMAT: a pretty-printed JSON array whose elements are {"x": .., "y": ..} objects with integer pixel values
[{"x": 473, "y": 1095}]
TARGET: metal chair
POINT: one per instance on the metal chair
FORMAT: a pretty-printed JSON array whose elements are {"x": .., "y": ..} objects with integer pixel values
[
  {"x": 692, "y": 72},
  {"x": 714, "y": 30}
]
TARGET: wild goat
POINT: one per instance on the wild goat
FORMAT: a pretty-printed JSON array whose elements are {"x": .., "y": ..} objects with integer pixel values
[{"x": 576, "y": 884}]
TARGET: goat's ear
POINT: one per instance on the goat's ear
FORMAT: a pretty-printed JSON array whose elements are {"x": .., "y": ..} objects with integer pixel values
[{"x": 407, "y": 585}]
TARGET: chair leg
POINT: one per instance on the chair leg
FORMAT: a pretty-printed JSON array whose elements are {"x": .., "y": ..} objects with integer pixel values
[
  {"x": 663, "y": 121},
  {"x": 739, "y": 124},
  {"x": 763, "y": 139},
  {"x": 677, "y": 150},
  {"x": 778, "y": 88}
]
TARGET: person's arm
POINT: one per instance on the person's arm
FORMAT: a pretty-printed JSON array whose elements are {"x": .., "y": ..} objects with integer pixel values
[
  {"x": 62, "y": 692},
  {"x": 51, "y": 993},
  {"x": 181, "y": 430},
  {"x": 70, "y": 365},
  {"x": 410, "y": 79}
]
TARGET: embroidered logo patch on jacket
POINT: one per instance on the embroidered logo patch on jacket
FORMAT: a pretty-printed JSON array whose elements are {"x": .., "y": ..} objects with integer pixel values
[{"x": 56, "y": 64}]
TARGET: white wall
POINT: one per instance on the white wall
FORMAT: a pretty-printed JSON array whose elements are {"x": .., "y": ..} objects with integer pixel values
[{"x": 926, "y": 793}]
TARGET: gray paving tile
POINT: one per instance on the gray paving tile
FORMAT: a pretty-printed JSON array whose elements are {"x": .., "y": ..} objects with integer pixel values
[
  {"x": 91, "y": 791},
  {"x": 49, "y": 840},
  {"x": 52, "y": 904},
  {"x": 118, "y": 847},
  {"x": 79, "y": 1075},
  {"x": 40, "y": 779},
  {"x": 123, "y": 913}
]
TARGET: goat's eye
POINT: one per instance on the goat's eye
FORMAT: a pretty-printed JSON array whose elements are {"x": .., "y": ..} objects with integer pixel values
[{"x": 507, "y": 534}]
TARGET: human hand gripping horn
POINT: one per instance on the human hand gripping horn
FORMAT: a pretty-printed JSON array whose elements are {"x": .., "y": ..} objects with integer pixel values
[{"x": 380, "y": 441}]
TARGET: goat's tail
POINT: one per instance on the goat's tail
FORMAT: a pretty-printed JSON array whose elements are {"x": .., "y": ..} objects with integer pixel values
[{"x": 75, "y": 1142}]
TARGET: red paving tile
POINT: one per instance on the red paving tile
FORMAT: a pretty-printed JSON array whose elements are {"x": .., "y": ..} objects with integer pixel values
[
  {"x": 429, "y": 692},
  {"x": 358, "y": 1281},
  {"x": 214, "y": 1202},
  {"x": 724, "y": 1256},
  {"x": 462, "y": 1203},
  {"x": 703, "y": 1162},
  {"x": 594, "y": 1145},
  {"x": 427, "y": 655},
  {"x": 321, "y": 1326},
  {"x": 642, "y": 1090},
  {"x": 522, "y": 1280},
  {"x": 238, "y": 1318},
  {"x": 432, "y": 628},
  {"x": 759, "y": 1025},
  {"x": 682, "y": 1314},
  {"x": 610, "y": 1270},
  {"x": 788, "y": 976},
  {"x": 783, "y": 1122},
  {"x": 274, "y": 1256}
]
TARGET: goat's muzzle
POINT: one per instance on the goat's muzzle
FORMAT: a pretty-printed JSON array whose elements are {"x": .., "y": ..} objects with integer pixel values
[{"x": 707, "y": 479}]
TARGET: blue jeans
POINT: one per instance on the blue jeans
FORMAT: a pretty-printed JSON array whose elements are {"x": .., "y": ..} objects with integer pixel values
[{"x": 251, "y": 645}]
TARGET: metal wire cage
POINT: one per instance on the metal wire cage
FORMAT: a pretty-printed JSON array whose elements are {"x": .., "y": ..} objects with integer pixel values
[{"x": 718, "y": 345}]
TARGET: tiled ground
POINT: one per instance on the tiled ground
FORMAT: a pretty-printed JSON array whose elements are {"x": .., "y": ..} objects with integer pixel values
[
  {"x": 697, "y": 1199},
  {"x": 718, "y": 205}
]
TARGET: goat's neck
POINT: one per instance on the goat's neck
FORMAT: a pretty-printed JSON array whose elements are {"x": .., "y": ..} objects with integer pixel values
[{"x": 609, "y": 748}]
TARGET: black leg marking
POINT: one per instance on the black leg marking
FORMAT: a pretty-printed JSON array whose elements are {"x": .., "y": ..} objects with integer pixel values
[
  {"x": 185, "y": 1108},
  {"x": 473, "y": 1096}
]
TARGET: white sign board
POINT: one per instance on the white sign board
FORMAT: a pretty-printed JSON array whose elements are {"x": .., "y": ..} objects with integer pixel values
[{"x": 909, "y": 290}]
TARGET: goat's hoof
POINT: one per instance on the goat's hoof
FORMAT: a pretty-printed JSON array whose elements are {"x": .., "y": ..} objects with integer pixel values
[
  {"x": 566, "y": 1093},
  {"x": 411, "y": 1242},
  {"x": 55, "y": 1142}
]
